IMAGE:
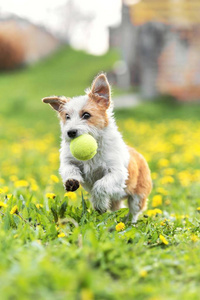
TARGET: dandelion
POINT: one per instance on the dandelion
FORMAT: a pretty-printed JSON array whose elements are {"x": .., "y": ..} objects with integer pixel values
[
  {"x": 34, "y": 187},
  {"x": 162, "y": 191},
  {"x": 13, "y": 178},
  {"x": 53, "y": 158},
  {"x": 2, "y": 204},
  {"x": 163, "y": 239},
  {"x": 154, "y": 212},
  {"x": 163, "y": 162},
  {"x": 8, "y": 196},
  {"x": 2, "y": 181},
  {"x": 167, "y": 202},
  {"x": 54, "y": 178},
  {"x": 50, "y": 195},
  {"x": 60, "y": 235},
  {"x": 39, "y": 205},
  {"x": 167, "y": 179},
  {"x": 21, "y": 183},
  {"x": 143, "y": 273},
  {"x": 5, "y": 189},
  {"x": 198, "y": 209},
  {"x": 157, "y": 200},
  {"x": 154, "y": 175},
  {"x": 14, "y": 210},
  {"x": 120, "y": 226},
  {"x": 169, "y": 171},
  {"x": 71, "y": 195},
  {"x": 194, "y": 238},
  {"x": 87, "y": 294}
]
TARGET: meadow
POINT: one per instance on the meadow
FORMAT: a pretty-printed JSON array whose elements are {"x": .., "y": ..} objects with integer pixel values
[{"x": 52, "y": 244}]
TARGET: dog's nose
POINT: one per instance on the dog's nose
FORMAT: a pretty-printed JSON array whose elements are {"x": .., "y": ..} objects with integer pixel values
[{"x": 72, "y": 133}]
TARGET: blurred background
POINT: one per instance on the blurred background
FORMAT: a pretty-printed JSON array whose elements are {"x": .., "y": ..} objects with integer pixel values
[{"x": 156, "y": 43}]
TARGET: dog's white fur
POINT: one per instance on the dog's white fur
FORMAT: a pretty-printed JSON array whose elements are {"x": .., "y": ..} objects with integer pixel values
[{"x": 106, "y": 174}]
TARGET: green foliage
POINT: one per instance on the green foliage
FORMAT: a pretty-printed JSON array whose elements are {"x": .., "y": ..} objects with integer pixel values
[{"x": 54, "y": 245}]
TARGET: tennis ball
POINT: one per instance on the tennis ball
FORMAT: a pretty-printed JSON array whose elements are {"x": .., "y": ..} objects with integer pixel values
[{"x": 84, "y": 147}]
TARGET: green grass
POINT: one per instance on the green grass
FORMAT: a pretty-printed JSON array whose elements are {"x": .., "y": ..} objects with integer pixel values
[
  {"x": 66, "y": 73},
  {"x": 55, "y": 246}
]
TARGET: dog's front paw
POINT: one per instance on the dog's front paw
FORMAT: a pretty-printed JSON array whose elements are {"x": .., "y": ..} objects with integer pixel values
[{"x": 71, "y": 185}]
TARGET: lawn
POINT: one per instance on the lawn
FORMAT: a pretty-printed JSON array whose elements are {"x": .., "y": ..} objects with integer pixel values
[{"x": 53, "y": 245}]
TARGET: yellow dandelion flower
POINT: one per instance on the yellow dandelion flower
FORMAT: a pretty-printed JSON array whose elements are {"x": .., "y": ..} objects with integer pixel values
[
  {"x": 194, "y": 238},
  {"x": 8, "y": 196},
  {"x": 39, "y": 205},
  {"x": 166, "y": 180},
  {"x": 54, "y": 178},
  {"x": 120, "y": 226},
  {"x": 154, "y": 175},
  {"x": 13, "y": 178},
  {"x": 198, "y": 209},
  {"x": 21, "y": 183},
  {"x": 34, "y": 187},
  {"x": 14, "y": 210},
  {"x": 2, "y": 204},
  {"x": 157, "y": 200},
  {"x": 50, "y": 195},
  {"x": 2, "y": 181},
  {"x": 143, "y": 273},
  {"x": 154, "y": 212},
  {"x": 71, "y": 195},
  {"x": 163, "y": 162},
  {"x": 163, "y": 239},
  {"x": 167, "y": 202},
  {"x": 87, "y": 294},
  {"x": 53, "y": 158},
  {"x": 5, "y": 189},
  {"x": 60, "y": 235},
  {"x": 162, "y": 191},
  {"x": 169, "y": 171}
]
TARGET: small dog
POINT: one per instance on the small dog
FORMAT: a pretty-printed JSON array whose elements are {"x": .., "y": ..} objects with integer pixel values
[{"x": 117, "y": 171}]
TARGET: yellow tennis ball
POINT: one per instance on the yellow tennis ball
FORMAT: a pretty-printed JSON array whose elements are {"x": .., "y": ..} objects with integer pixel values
[{"x": 84, "y": 147}]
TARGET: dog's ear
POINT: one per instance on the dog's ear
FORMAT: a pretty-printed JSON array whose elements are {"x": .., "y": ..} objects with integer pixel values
[
  {"x": 56, "y": 102},
  {"x": 100, "y": 90}
]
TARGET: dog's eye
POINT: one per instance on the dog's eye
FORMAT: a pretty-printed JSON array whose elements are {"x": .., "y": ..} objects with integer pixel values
[
  {"x": 67, "y": 117},
  {"x": 86, "y": 115}
]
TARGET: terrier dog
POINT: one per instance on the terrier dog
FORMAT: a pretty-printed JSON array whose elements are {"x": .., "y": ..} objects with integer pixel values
[{"x": 117, "y": 171}]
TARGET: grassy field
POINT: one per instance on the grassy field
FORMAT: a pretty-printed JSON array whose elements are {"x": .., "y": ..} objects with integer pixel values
[{"x": 53, "y": 245}]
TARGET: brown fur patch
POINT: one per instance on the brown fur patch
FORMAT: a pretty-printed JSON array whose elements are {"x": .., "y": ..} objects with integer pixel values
[
  {"x": 99, "y": 117},
  {"x": 62, "y": 112},
  {"x": 139, "y": 181},
  {"x": 62, "y": 115},
  {"x": 56, "y": 102},
  {"x": 100, "y": 100},
  {"x": 100, "y": 91}
]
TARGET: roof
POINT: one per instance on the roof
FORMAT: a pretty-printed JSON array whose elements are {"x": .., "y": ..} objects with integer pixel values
[{"x": 177, "y": 12}]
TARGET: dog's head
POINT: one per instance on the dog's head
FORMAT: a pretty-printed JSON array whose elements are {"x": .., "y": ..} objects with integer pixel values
[{"x": 84, "y": 114}]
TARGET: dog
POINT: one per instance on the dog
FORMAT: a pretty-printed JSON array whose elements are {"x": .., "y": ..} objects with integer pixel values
[{"x": 116, "y": 172}]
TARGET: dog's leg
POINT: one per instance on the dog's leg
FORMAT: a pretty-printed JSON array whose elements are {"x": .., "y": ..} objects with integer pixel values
[
  {"x": 135, "y": 207},
  {"x": 115, "y": 205},
  {"x": 100, "y": 202},
  {"x": 71, "y": 177}
]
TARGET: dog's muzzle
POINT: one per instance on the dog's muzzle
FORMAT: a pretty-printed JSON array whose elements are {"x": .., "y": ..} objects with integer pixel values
[{"x": 72, "y": 133}]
